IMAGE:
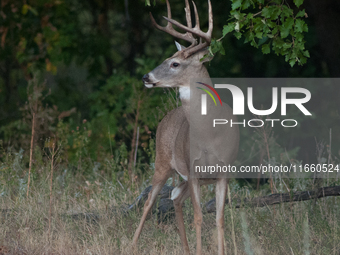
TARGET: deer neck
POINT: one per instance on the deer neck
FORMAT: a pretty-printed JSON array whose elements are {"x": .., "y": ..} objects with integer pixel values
[{"x": 191, "y": 96}]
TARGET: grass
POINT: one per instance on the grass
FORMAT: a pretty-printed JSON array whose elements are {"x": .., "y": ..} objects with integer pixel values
[
  {"x": 87, "y": 218},
  {"x": 86, "y": 214}
]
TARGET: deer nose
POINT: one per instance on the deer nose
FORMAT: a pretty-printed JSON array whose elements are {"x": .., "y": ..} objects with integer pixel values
[{"x": 145, "y": 78}]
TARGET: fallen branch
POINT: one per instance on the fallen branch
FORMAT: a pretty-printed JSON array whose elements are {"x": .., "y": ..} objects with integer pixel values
[
  {"x": 166, "y": 207},
  {"x": 278, "y": 198}
]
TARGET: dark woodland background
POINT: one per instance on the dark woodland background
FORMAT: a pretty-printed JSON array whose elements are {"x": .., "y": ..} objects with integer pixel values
[{"x": 92, "y": 54}]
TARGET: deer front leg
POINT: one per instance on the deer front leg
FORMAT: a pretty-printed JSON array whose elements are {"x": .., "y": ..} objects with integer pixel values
[
  {"x": 179, "y": 195},
  {"x": 158, "y": 181},
  {"x": 221, "y": 190},
  {"x": 195, "y": 191}
]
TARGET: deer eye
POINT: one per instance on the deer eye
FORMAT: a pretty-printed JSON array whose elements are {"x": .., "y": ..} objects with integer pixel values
[{"x": 175, "y": 64}]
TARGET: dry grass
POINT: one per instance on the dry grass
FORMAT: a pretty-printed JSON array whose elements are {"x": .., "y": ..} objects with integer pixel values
[{"x": 297, "y": 228}]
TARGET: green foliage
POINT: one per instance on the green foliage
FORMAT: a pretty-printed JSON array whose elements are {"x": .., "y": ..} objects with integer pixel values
[
  {"x": 123, "y": 104},
  {"x": 216, "y": 46},
  {"x": 16, "y": 134},
  {"x": 114, "y": 110},
  {"x": 278, "y": 27},
  {"x": 298, "y": 2},
  {"x": 92, "y": 54},
  {"x": 33, "y": 29},
  {"x": 151, "y": 150},
  {"x": 272, "y": 22}
]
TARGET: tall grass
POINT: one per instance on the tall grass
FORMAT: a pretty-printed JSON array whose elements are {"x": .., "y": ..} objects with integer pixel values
[{"x": 88, "y": 217}]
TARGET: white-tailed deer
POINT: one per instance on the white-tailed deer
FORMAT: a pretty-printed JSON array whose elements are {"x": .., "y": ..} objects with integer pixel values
[{"x": 173, "y": 148}]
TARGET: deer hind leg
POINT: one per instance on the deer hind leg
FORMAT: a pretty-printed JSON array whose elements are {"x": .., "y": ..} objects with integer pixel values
[
  {"x": 179, "y": 195},
  {"x": 195, "y": 191},
  {"x": 221, "y": 190},
  {"x": 158, "y": 181}
]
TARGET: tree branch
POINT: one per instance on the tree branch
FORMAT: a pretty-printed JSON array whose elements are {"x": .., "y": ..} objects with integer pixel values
[{"x": 279, "y": 198}]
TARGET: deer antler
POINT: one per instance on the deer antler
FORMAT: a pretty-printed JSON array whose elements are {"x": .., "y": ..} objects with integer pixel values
[
  {"x": 170, "y": 30},
  {"x": 188, "y": 36}
]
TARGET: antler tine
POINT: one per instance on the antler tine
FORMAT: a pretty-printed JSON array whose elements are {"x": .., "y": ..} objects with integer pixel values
[
  {"x": 188, "y": 13},
  {"x": 196, "y": 16},
  {"x": 211, "y": 20},
  {"x": 170, "y": 30},
  {"x": 188, "y": 36},
  {"x": 196, "y": 31},
  {"x": 168, "y": 9},
  {"x": 197, "y": 25}
]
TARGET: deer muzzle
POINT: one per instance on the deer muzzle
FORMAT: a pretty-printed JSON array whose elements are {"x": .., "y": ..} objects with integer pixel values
[
  {"x": 148, "y": 81},
  {"x": 145, "y": 78}
]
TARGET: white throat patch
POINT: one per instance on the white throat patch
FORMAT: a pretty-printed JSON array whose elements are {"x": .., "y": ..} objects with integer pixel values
[{"x": 184, "y": 93}]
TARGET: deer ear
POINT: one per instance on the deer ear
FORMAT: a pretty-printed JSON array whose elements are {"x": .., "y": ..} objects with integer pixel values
[{"x": 179, "y": 47}]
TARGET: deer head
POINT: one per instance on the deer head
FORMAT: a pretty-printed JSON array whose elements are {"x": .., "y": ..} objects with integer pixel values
[{"x": 177, "y": 70}]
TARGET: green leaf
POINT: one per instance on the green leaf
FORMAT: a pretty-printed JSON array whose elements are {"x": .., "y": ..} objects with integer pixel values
[
  {"x": 246, "y": 4},
  {"x": 253, "y": 43},
  {"x": 306, "y": 53},
  {"x": 216, "y": 46},
  {"x": 275, "y": 30},
  {"x": 236, "y": 4},
  {"x": 284, "y": 31},
  {"x": 287, "y": 45},
  {"x": 292, "y": 62},
  {"x": 237, "y": 14},
  {"x": 277, "y": 45},
  {"x": 276, "y": 11},
  {"x": 266, "y": 48},
  {"x": 299, "y": 46},
  {"x": 301, "y": 26},
  {"x": 238, "y": 35},
  {"x": 266, "y": 12},
  {"x": 289, "y": 23},
  {"x": 300, "y": 13},
  {"x": 271, "y": 12},
  {"x": 286, "y": 11},
  {"x": 249, "y": 36},
  {"x": 299, "y": 37},
  {"x": 302, "y": 61},
  {"x": 259, "y": 34},
  {"x": 228, "y": 28},
  {"x": 147, "y": 3},
  {"x": 271, "y": 24},
  {"x": 298, "y": 2}
]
